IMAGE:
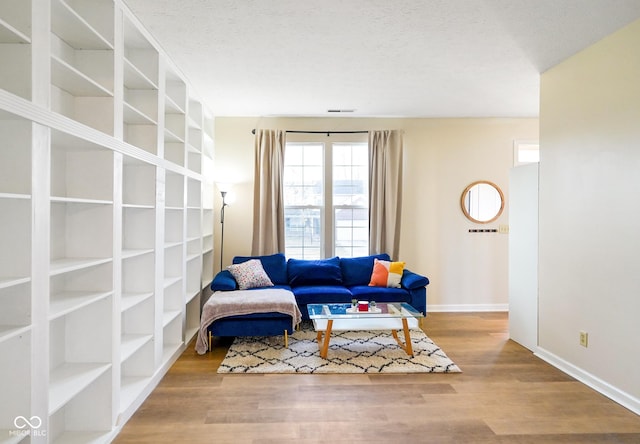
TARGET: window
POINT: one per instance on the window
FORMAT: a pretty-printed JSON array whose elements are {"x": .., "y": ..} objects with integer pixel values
[
  {"x": 350, "y": 199},
  {"x": 303, "y": 200},
  {"x": 310, "y": 188},
  {"x": 525, "y": 151}
]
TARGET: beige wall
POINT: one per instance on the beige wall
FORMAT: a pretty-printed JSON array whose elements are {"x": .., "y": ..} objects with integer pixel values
[
  {"x": 442, "y": 156},
  {"x": 589, "y": 216}
]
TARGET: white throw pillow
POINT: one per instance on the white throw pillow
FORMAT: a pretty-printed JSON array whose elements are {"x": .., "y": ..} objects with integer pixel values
[{"x": 250, "y": 274}]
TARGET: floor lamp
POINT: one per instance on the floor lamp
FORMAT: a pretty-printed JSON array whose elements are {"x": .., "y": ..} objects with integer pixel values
[{"x": 223, "y": 193}]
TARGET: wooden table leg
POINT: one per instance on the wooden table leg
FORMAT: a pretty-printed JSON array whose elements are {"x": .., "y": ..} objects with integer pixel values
[
  {"x": 407, "y": 337},
  {"x": 395, "y": 336},
  {"x": 407, "y": 347},
  {"x": 327, "y": 335}
]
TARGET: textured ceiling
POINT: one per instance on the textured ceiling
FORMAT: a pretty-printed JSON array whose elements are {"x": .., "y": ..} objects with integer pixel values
[{"x": 420, "y": 58}]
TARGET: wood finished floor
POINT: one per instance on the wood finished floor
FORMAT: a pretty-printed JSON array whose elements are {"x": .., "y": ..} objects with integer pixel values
[{"x": 504, "y": 395}]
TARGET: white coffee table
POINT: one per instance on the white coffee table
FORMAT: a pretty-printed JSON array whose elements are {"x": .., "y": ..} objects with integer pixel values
[{"x": 342, "y": 317}]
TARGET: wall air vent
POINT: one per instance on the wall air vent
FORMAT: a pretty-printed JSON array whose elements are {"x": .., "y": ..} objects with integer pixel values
[{"x": 341, "y": 110}]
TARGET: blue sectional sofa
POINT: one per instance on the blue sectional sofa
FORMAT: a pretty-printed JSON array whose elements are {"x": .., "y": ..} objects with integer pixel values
[{"x": 336, "y": 280}]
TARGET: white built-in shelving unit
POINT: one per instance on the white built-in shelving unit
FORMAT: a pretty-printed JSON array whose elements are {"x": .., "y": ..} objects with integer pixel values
[
  {"x": 175, "y": 106},
  {"x": 82, "y": 61},
  {"x": 141, "y": 92},
  {"x": 207, "y": 201},
  {"x": 106, "y": 205}
]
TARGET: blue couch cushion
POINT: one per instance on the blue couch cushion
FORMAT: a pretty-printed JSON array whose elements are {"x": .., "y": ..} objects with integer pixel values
[
  {"x": 413, "y": 281},
  {"x": 314, "y": 272},
  {"x": 380, "y": 294},
  {"x": 260, "y": 324},
  {"x": 275, "y": 265},
  {"x": 321, "y": 294},
  {"x": 357, "y": 270},
  {"x": 224, "y": 281}
]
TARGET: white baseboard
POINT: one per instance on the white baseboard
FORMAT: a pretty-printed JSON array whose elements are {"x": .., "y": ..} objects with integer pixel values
[
  {"x": 464, "y": 308},
  {"x": 624, "y": 399}
]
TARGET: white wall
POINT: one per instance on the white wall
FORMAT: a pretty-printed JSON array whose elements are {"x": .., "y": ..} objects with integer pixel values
[
  {"x": 442, "y": 156},
  {"x": 589, "y": 214}
]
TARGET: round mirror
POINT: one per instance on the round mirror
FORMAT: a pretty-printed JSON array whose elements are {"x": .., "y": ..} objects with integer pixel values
[{"x": 482, "y": 202}]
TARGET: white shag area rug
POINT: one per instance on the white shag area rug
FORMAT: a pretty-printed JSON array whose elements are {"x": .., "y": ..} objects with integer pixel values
[{"x": 349, "y": 352}]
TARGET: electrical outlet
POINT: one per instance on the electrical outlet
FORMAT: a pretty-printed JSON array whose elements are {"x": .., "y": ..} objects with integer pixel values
[
  {"x": 503, "y": 229},
  {"x": 584, "y": 338}
]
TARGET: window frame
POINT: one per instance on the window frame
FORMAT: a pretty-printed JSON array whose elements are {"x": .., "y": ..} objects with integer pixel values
[{"x": 327, "y": 210}]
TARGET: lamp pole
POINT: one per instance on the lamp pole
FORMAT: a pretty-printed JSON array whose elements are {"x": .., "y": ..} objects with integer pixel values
[{"x": 224, "y": 204}]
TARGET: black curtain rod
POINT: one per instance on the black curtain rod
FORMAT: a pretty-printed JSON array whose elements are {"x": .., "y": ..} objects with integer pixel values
[{"x": 253, "y": 131}]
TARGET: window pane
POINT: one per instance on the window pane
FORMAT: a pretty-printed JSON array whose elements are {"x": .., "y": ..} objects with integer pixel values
[
  {"x": 341, "y": 156},
  {"x": 293, "y": 154},
  {"x": 361, "y": 156},
  {"x": 293, "y": 175},
  {"x": 313, "y": 155},
  {"x": 350, "y": 178},
  {"x": 303, "y": 186},
  {"x": 526, "y": 152},
  {"x": 303, "y": 236},
  {"x": 529, "y": 154},
  {"x": 313, "y": 178},
  {"x": 351, "y": 231},
  {"x": 303, "y": 176},
  {"x": 351, "y": 190},
  {"x": 341, "y": 173},
  {"x": 351, "y": 251}
]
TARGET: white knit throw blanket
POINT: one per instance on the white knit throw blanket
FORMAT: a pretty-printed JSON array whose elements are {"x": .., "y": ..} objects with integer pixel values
[{"x": 222, "y": 304}]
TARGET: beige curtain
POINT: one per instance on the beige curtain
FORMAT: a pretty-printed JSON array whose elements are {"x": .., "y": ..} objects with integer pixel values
[
  {"x": 385, "y": 191},
  {"x": 268, "y": 206}
]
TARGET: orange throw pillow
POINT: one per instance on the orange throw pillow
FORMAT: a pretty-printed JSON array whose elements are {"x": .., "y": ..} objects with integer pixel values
[{"x": 386, "y": 274}]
